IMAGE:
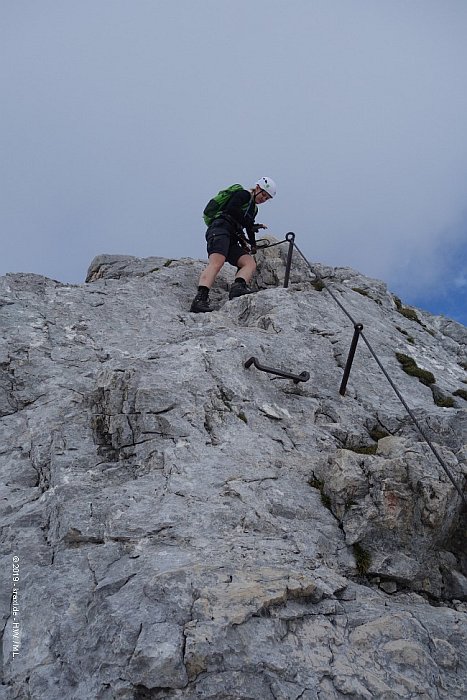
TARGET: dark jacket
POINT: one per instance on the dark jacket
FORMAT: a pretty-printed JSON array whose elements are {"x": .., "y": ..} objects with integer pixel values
[{"x": 240, "y": 211}]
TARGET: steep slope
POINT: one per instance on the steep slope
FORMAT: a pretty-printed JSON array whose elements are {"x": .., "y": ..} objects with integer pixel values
[{"x": 188, "y": 528}]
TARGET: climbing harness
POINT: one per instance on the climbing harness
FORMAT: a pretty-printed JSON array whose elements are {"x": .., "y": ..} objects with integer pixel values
[{"x": 358, "y": 332}]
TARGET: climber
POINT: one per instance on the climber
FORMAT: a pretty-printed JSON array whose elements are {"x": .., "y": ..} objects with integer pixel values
[{"x": 231, "y": 211}]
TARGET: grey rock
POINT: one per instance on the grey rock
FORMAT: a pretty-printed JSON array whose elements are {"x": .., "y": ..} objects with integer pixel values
[
  {"x": 388, "y": 586},
  {"x": 120, "y": 266},
  {"x": 186, "y": 527}
]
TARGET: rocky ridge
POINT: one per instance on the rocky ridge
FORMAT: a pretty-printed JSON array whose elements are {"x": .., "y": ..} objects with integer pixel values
[{"x": 189, "y": 528}]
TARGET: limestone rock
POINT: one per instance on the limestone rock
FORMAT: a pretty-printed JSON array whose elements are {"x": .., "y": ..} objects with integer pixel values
[{"x": 185, "y": 527}]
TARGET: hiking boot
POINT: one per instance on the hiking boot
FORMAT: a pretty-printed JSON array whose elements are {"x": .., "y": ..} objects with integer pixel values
[
  {"x": 238, "y": 289},
  {"x": 200, "y": 304}
]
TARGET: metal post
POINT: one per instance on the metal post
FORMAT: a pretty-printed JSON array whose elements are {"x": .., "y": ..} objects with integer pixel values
[
  {"x": 358, "y": 329},
  {"x": 290, "y": 237}
]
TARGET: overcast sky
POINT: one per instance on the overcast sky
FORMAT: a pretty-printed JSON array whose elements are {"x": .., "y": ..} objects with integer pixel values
[{"x": 119, "y": 119}]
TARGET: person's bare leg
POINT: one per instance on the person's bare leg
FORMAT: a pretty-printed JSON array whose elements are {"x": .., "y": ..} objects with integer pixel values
[
  {"x": 246, "y": 267},
  {"x": 210, "y": 272}
]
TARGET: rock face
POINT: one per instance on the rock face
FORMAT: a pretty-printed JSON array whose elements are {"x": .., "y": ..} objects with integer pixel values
[{"x": 179, "y": 526}]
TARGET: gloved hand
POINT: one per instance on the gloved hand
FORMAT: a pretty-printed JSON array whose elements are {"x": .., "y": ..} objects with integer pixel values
[
  {"x": 253, "y": 250},
  {"x": 258, "y": 227}
]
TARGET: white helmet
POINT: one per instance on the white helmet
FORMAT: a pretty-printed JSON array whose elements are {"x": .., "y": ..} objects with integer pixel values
[{"x": 268, "y": 185}]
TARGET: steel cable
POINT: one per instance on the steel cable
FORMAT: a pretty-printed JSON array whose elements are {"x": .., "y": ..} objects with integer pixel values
[{"x": 391, "y": 382}]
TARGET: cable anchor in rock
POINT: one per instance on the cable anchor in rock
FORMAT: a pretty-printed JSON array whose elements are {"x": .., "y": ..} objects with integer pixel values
[
  {"x": 358, "y": 327},
  {"x": 290, "y": 237},
  {"x": 302, "y": 377}
]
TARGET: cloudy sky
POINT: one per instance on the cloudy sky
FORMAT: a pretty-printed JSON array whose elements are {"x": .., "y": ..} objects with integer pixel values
[{"x": 121, "y": 118}]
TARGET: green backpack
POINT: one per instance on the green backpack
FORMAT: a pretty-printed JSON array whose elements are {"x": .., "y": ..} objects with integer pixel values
[{"x": 214, "y": 207}]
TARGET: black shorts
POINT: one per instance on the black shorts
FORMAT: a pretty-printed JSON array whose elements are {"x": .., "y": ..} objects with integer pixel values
[{"x": 220, "y": 239}]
